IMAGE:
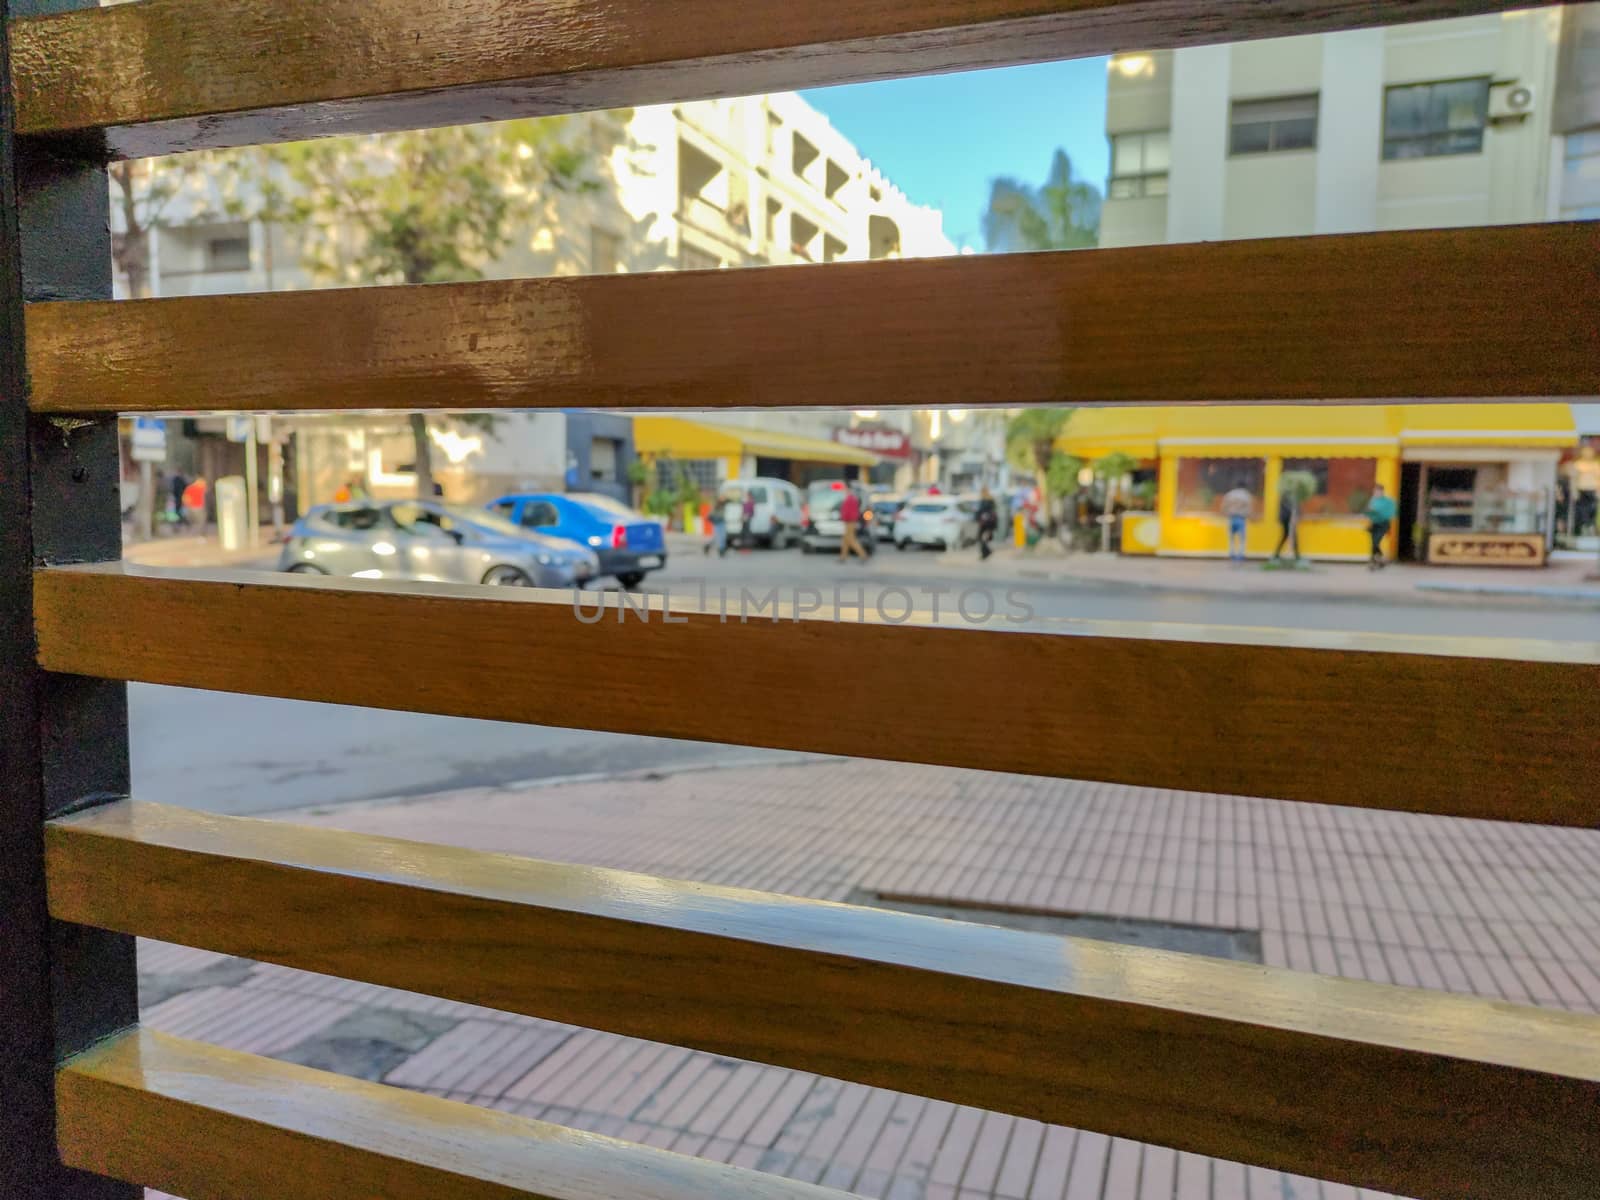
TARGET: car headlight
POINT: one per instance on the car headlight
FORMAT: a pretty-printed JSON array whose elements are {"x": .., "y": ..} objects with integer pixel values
[{"x": 544, "y": 560}]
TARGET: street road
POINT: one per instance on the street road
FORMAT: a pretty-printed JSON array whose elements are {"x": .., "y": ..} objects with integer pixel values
[{"x": 245, "y": 754}]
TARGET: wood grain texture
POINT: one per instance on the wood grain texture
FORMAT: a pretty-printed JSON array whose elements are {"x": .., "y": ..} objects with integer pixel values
[
  {"x": 170, "y": 75},
  {"x": 1420, "y": 1093},
  {"x": 1443, "y": 727},
  {"x": 1449, "y": 313},
  {"x": 214, "y": 1124}
]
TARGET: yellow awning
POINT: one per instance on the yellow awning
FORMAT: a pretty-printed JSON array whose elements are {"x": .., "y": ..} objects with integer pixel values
[
  {"x": 1311, "y": 431},
  {"x": 680, "y": 437},
  {"x": 1518, "y": 425},
  {"x": 1093, "y": 433}
]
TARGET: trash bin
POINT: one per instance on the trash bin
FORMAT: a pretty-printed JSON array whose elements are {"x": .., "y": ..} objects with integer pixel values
[{"x": 232, "y": 513}]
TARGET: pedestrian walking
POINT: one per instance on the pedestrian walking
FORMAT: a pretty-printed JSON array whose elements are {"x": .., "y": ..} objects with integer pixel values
[
  {"x": 194, "y": 504},
  {"x": 850, "y": 515},
  {"x": 718, "y": 540},
  {"x": 1289, "y": 519},
  {"x": 747, "y": 514},
  {"x": 988, "y": 522},
  {"x": 1380, "y": 516},
  {"x": 176, "y": 484},
  {"x": 1237, "y": 506}
]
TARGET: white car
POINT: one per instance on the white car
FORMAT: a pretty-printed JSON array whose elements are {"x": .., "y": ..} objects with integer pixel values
[
  {"x": 777, "y": 519},
  {"x": 947, "y": 522},
  {"x": 824, "y": 528}
]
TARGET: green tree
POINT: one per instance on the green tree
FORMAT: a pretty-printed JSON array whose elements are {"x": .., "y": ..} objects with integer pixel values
[
  {"x": 430, "y": 206},
  {"x": 1031, "y": 447},
  {"x": 1063, "y": 214}
]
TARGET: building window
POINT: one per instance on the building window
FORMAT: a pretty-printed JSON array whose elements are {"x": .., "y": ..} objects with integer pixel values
[
  {"x": 228, "y": 253},
  {"x": 1139, "y": 164},
  {"x": 1580, "y": 184},
  {"x": 605, "y": 251},
  {"x": 774, "y": 134},
  {"x": 692, "y": 258},
  {"x": 804, "y": 155},
  {"x": 1203, "y": 482},
  {"x": 603, "y": 460},
  {"x": 1344, "y": 485},
  {"x": 1424, "y": 120},
  {"x": 1267, "y": 126}
]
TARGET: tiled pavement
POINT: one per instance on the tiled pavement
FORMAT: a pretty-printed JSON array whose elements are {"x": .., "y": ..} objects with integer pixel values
[{"x": 1500, "y": 910}]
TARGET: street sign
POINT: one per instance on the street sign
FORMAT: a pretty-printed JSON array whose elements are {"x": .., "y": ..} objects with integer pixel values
[
  {"x": 149, "y": 440},
  {"x": 239, "y": 427}
]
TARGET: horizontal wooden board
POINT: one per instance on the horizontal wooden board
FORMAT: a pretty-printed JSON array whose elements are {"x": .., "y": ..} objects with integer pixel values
[
  {"x": 1420, "y": 1093},
  {"x": 1487, "y": 312},
  {"x": 213, "y": 1124},
  {"x": 169, "y": 75},
  {"x": 1441, "y": 729}
]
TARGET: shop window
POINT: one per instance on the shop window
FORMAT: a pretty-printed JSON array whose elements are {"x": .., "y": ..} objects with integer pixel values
[
  {"x": 1267, "y": 126},
  {"x": 1424, "y": 120},
  {"x": 1344, "y": 485},
  {"x": 1202, "y": 482},
  {"x": 700, "y": 473},
  {"x": 1139, "y": 164}
]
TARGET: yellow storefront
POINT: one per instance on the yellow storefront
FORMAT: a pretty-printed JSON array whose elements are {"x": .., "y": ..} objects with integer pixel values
[{"x": 1202, "y": 452}]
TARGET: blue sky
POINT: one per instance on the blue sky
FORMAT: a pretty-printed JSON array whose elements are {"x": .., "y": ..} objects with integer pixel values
[{"x": 941, "y": 138}]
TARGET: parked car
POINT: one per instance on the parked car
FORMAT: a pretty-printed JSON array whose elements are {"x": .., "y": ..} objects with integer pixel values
[
  {"x": 824, "y": 528},
  {"x": 947, "y": 522},
  {"x": 629, "y": 544},
  {"x": 427, "y": 539},
  {"x": 778, "y": 518},
  {"x": 884, "y": 507}
]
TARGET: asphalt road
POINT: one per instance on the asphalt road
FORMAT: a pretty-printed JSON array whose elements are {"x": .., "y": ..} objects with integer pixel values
[{"x": 246, "y": 754}]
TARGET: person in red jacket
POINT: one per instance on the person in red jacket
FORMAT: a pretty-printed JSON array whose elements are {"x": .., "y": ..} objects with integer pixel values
[{"x": 850, "y": 514}]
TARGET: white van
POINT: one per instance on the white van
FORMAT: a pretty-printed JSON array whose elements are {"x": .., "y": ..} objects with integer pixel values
[{"x": 777, "y": 518}]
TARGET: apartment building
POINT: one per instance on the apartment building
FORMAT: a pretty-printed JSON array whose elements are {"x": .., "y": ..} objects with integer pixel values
[
  {"x": 1433, "y": 124},
  {"x": 1481, "y": 120},
  {"x": 762, "y": 180}
]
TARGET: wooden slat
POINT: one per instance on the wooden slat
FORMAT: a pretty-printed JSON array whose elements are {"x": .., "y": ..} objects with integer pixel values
[
  {"x": 213, "y": 1124},
  {"x": 193, "y": 73},
  {"x": 1301, "y": 716},
  {"x": 1451, "y": 313},
  {"x": 1420, "y": 1093}
]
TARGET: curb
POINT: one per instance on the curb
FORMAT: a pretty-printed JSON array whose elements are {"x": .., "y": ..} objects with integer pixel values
[
  {"x": 1441, "y": 591},
  {"x": 1489, "y": 589}
]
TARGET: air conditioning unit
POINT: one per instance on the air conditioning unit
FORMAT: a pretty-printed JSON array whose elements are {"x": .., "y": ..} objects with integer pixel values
[{"x": 1510, "y": 101}]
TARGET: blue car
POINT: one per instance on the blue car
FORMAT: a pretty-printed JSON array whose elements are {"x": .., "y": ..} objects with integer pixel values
[{"x": 628, "y": 544}]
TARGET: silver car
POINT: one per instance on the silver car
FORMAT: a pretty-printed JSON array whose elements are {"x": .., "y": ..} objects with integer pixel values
[{"x": 426, "y": 539}]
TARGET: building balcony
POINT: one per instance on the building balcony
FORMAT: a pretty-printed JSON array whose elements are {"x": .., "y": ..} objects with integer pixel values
[{"x": 731, "y": 226}]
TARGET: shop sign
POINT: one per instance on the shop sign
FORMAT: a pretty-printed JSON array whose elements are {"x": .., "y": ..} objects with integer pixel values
[
  {"x": 890, "y": 443},
  {"x": 149, "y": 442},
  {"x": 1487, "y": 549}
]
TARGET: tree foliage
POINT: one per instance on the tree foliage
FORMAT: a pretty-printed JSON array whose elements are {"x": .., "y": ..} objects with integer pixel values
[
  {"x": 1031, "y": 447},
  {"x": 429, "y": 206},
  {"x": 1062, "y": 214}
]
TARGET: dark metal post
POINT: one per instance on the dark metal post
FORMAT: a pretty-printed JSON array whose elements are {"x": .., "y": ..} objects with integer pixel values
[{"x": 63, "y": 739}]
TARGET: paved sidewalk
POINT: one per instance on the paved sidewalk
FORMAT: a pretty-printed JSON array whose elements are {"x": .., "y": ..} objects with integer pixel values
[
  {"x": 198, "y": 551},
  {"x": 1566, "y": 581},
  {"x": 1499, "y": 910}
]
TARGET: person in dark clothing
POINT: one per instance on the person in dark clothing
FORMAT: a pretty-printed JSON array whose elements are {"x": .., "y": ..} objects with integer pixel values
[
  {"x": 176, "y": 483},
  {"x": 988, "y": 522},
  {"x": 1288, "y": 517}
]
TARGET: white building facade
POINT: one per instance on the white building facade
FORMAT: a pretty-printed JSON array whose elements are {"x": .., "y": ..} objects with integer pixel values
[
  {"x": 762, "y": 180},
  {"x": 1439, "y": 123}
]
